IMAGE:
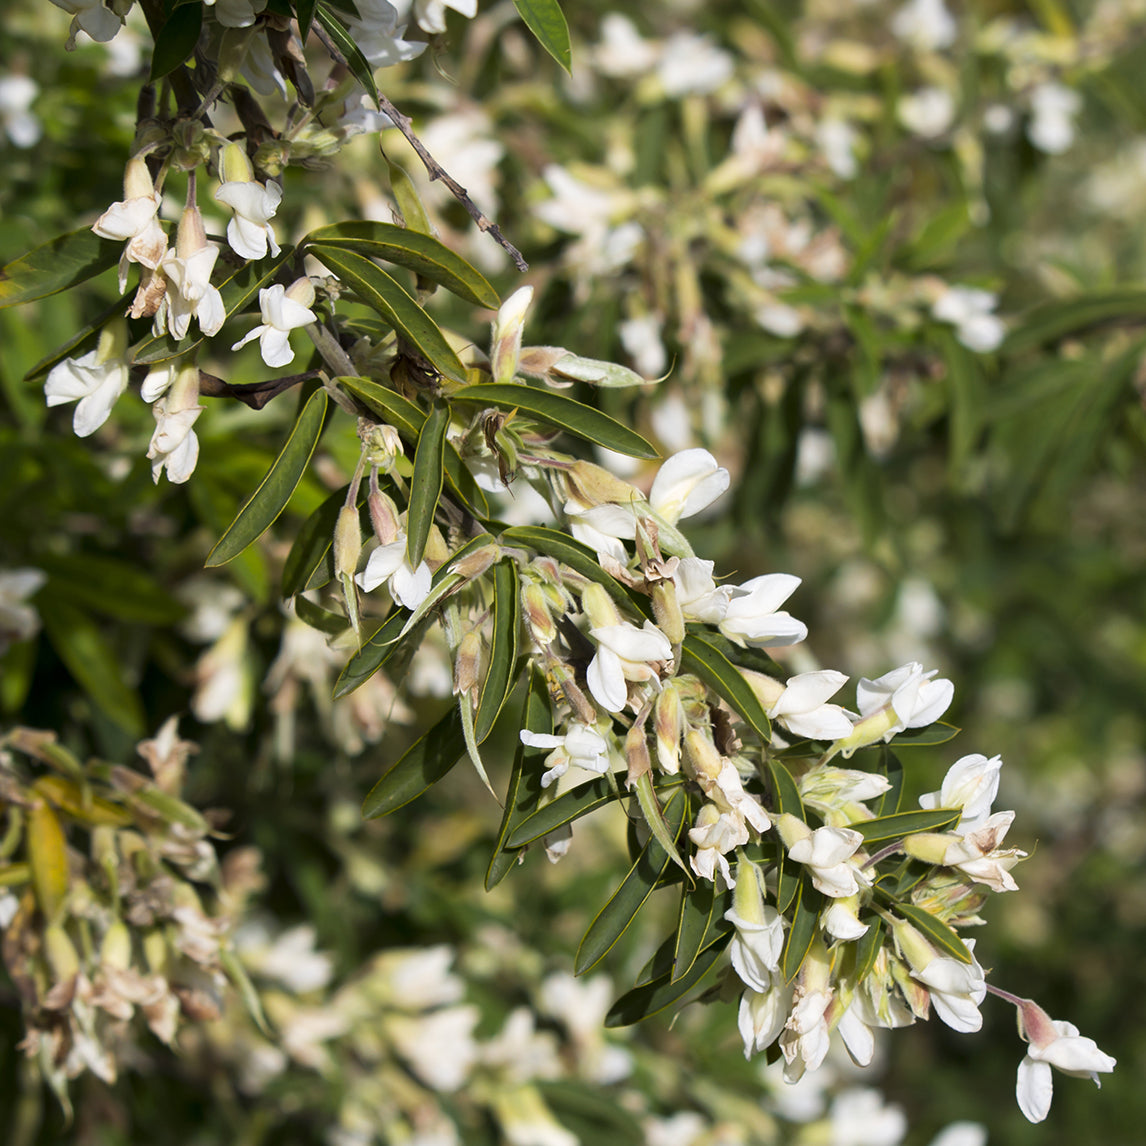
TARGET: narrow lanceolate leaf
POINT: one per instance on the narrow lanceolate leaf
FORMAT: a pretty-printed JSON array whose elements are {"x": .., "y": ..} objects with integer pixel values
[
  {"x": 426, "y": 484},
  {"x": 275, "y": 490},
  {"x": 312, "y": 548},
  {"x": 422, "y": 254},
  {"x": 561, "y": 547},
  {"x": 62, "y": 263},
  {"x": 466, "y": 712},
  {"x": 524, "y": 789},
  {"x": 423, "y": 764},
  {"x": 564, "y": 810},
  {"x": 406, "y": 195},
  {"x": 703, "y": 660},
  {"x": 895, "y": 827},
  {"x": 394, "y": 303},
  {"x": 798, "y": 942},
  {"x": 614, "y": 918},
  {"x": 48, "y": 858},
  {"x": 319, "y": 618},
  {"x": 499, "y": 676},
  {"x": 77, "y": 801},
  {"x": 786, "y": 799},
  {"x": 655, "y": 820},
  {"x": 91, "y": 661},
  {"x": 237, "y": 291},
  {"x": 866, "y": 948},
  {"x": 408, "y": 419},
  {"x": 651, "y": 998},
  {"x": 891, "y": 800},
  {"x": 357, "y": 63},
  {"x": 176, "y": 39},
  {"x": 546, "y": 21},
  {"x": 564, "y": 413},
  {"x": 938, "y": 733},
  {"x": 237, "y": 973},
  {"x": 304, "y": 13},
  {"x": 698, "y": 906},
  {"x": 936, "y": 930},
  {"x": 85, "y": 339}
]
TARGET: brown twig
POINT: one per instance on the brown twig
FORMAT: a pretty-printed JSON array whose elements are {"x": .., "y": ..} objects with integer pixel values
[
  {"x": 253, "y": 394},
  {"x": 433, "y": 168}
]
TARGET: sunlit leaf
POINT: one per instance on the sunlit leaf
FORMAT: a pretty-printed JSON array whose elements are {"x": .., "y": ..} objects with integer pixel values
[
  {"x": 59, "y": 264},
  {"x": 546, "y": 21},
  {"x": 272, "y": 494},
  {"x": 574, "y": 804},
  {"x": 702, "y": 659},
  {"x": 357, "y": 63},
  {"x": 499, "y": 676},
  {"x": 426, "y": 484},
  {"x": 902, "y": 824}
]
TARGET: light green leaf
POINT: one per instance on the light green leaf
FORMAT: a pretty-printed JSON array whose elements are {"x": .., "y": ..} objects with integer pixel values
[
  {"x": 702, "y": 659},
  {"x": 236, "y": 290},
  {"x": 546, "y": 21},
  {"x": 422, "y": 765},
  {"x": 565, "y": 413},
  {"x": 274, "y": 491},
  {"x": 406, "y": 195},
  {"x": 866, "y": 948},
  {"x": 499, "y": 676},
  {"x": 614, "y": 919},
  {"x": 237, "y": 973},
  {"x": 426, "y": 484},
  {"x": 62, "y": 263},
  {"x": 651, "y": 998},
  {"x": 420, "y": 253},
  {"x": 895, "y": 827},
  {"x": 394, "y": 303}
]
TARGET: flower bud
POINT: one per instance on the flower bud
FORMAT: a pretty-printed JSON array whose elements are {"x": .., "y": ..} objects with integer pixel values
[
  {"x": 599, "y": 607},
  {"x": 768, "y": 689},
  {"x": 535, "y": 601},
  {"x": 234, "y": 166},
  {"x": 61, "y": 952},
  {"x": 792, "y": 829},
  {"x": 637, "y": 754},
  {"x": 347, "y": 542},
  {"x": 302, "y": 292},
  {"x": 381, "y": 443},
  {"x": 912, "y": 946},
  {"x": 930, "y": 847},
  {"x": 702, "y": 754},
  {"x": 477, "y": 561},
  {"x": 668, "y": 721},
  {"x": 507, "y": 329},
  {"x": 191, "y": 236},
  {"x": 383, "y": 517},
  {"x": 137, "y": 182},
  {"x": 115, "y": 950},
  {"x": 591, "y": 485},
  {"x": 666, "y": 611},
  {"x": 467, "y": 664}
]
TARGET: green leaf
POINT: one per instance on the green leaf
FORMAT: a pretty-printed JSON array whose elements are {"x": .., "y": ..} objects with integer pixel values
[
  {"x": 866, "y": 948},
  {"x": 304, "y": 13},
  {"x": 422, "y": 765},
  {"x": 650, "y": 998},
  {"x": 655, "y": 821},
  {"x": 938, "y": 733},
  {"x": 357, "y": 63},
  {"x": 578, "y": 802},
  {"x": 310, "y": 562},
  {"x": 319, "y": 618},
  {"x": 561, "y": 547},
  {"x": 275, "y": 490},
  {"x": 700, "y": 912},
  {"x": 525, "y": 780},
  {"x": 786, "y": 796},
  {"x": 91, "y": 661},
  {"x": 892, "y": 800},
  {"x": 590, "y": 1113},
  {"x": 614, "y": 918},
  {"x": 176, "y": 40},
  {"x": 426, "y": 484},
  {"x": 420, "y": 253},
  {"x": 406, "y": 196},
  {"x": 394, "y": 303},
  {"x": 466, "y": 713},
  {"x": 935, "y": 930},
  {"x": 1051, "y": 321},
  {"x": 237, "y": 290},
  {"x": 805, "y": 920},
  {"x": 565, "y": 413},
  {"x": 408, "y": 419},
  {"x": 895, "y": 827},
  {"x": 701, "y": 659},
  {"x": 62, "y": 263},
  {"x": 115, "y": 588},
  {"x": 85, "y": 339},
  {"x": 546, "y": 21},
  {"x": 499, "y": 676},
  {"x": 237, "y": 973}
]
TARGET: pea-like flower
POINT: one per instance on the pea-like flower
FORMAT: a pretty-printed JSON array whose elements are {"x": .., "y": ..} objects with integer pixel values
[
  {"x": 249, "y": 232},
  {"x": 134, "y": 220},
  {"x": 174, "y": 445},
  {"x": 624, "y": 653},
  {"x": 971, "y": 783},
  {"x": 759, "y": 938},
  {"x": 283, "y": 310},
  {"x": 827, "y": 852},
  {"x": 581, "y": 745},
  {"x": 188, "y": 270},
  {"x": 906, "y": 697},
  {"x": 96, "y": 380}
]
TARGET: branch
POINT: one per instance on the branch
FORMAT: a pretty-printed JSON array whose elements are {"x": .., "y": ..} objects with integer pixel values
[{"x": 253, "y": 394}]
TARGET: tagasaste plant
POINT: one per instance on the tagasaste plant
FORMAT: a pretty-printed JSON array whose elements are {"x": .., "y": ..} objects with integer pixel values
[{"x": 575, "y": 611}]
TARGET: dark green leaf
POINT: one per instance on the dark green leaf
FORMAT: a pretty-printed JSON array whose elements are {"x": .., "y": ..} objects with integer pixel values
[
  {"x": 176, "y": 39},
  {"x": 591, "y": 1114},
  {"x": 700, "y": 909},
  {"x": 866, "y": 948},
  {"x": 805, "y": 920},
  {"x": 546, "y": 21},
  {"x": 426, "y": 484},
  {"x": 662, "y": 992},
  {"x": 891, "y": 800},
  {"x": 237, "y": 290},
  {"x": 701, "y": 659},
  {"x": 321, "y": 619},
  {"x": 115, "y": 588},
  {"x": 62, "y": 263},
  {"x": 1054, "y": 320},
  {"x": 85, "y": 339},
  {"x": 357, "y": 63},
  {"x": 614, "y": 918},
  {"x": 406, "y": 196},
  {"x": 786, "y": 797},
  {"x": 413, "y": 250},
  {"x": 499, "y": 676},
  {"x": 91, "y": 661},
  {"x": 578, "y": 802},
  {"x": 313, "y": 547},
  {"x": 304, "y": 13},
  {"x": 393, "y": 302},
  {"x": 424, "y": 763},
  {"x": 902, "y": 824},
  {"x": 275, "y": 490},
  {"x": 935, "y": 930},
  {"x": 938, "y": 733},
  {"x": 525, "y": 780},
  {"x": 565, "y": 413}
]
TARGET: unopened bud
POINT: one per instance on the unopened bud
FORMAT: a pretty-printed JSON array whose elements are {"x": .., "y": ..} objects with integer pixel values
[
  {"x": 913, "y": 948},
  {"x": 637, "y": 754},
  {"x": 115, "y": 950},
  {"x": 917, "y": 995},
  {"x": 137, "y": 182},
  {"x": 191, "y": 236},
  {"x": 668, "y": 720},
  {"x": 599, "y": 607},
  {"x": 347, "y": 541},
  {"x": 768, "y": 689},
  {"x": 792, "y": 829},
  {"x": 234, "y": 166},
  {"x": 155, "y": 951},
  {"x": 301, "y": 291},
  {"x": 591, "y": 485},
  {"x": 702, "y": 754},
  {"x": 61, "y": 952},
  {"x": 507, "y": 330},
  {"x": 383, "y": 517},
  {"x": 748, "y": 896},
  {"x": 467, "y": 664},
  {"x": 666, "y": 611},
  {"x": 870, "y": 730},
  {"x": 381, "y": 443},
  {"x": 477, "y": 561},
  {"x": 930, "y": 847},
  {"x": 536, "y": 606}
]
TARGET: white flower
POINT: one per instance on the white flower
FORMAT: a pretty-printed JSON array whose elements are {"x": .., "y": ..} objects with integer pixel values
[
  {"x": 841, "y": 920},
  {"x": 505, "y": 340},
  {"x": 378, "y": 34},
  {"x": 971, "y": 783},
  {"x": 697, "y": 593},
  {"x": 92, "y": 17},
  {"x": 622, "y": 51},
  {"x": 440, "y": 1046},
  {"x": 860, "y": 1117},
  {"x": 1054, "y": 108},
  {"x": 249, "y": 232},
  {"x": 18, "y": 619},
  {"x": 801, "y": 705},
  {"x": 759, "y": 938},
  {"x": 283, "y": 310},
  {"x": 96, "y": 380},
  {"x": 688, "y": 482},
  {"x": 837, "y": 141},
  {"x": 752, "y": 616},
  {"x": 431, "y": 14},
  {"x": 641, "y": 339},
  {"x": 188, "y": 269},
  {"x": 624, "y": 653},
  {"x": 135, "y": 220},
  {"x": 928, "y": 112},
  {"x": 956, "y": 989},
  {"x": 969, "y": 311},
  {"x": 16, "y": 96},
  {"x": 581, "y": 745},
  {"x": 826, "y": 852},
  {"x": 961, "y": 1134},
  {"x": 1057, "y": 1044},
  {"x": 978, "y": 854},
  {"x": 904, "y": 698},
  {"x": 236, "y": 13},
  {"x": 762, "y": 1017},
  {"x": 388, "y": 563},
  {"x": 693, "y": 65},
  {"x": 174, "y": 446},
  {"x": 290, "y": 958},
  {"x": 925, "y": 24}
]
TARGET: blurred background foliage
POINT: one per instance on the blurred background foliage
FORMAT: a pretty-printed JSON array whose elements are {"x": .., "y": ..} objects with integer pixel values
[{"x": 767, "y": 203}]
